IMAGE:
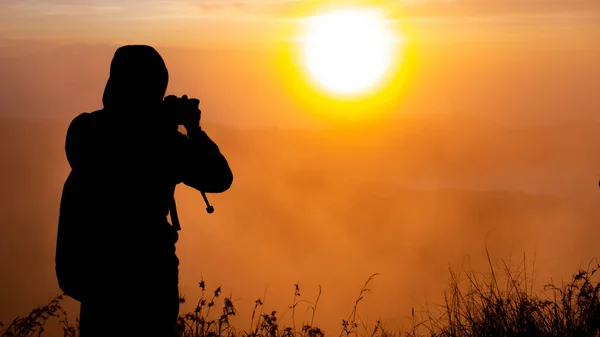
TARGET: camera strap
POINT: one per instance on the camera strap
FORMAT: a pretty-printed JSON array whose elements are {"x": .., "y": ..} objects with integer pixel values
[{"x": 173, "y": 213}]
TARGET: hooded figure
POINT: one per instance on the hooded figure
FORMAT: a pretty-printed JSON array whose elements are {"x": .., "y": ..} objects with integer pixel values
[
  {"x": 115, "y": 247},
  {"x": 138, "y": 75}
]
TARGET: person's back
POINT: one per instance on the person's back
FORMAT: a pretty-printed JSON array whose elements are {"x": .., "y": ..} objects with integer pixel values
[{"x": 126, "y": 160}]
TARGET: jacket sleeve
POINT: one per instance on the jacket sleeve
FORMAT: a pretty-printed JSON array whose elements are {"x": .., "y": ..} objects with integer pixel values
[{"x": 203, "y": 166}]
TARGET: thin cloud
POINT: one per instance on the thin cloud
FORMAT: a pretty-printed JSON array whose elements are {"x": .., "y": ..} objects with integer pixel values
[
  {"x": 157, "y": 9},
  {"x": 287, "y": 8}
]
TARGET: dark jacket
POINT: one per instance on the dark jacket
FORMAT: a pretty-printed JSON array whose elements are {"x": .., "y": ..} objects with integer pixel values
[{"x": 126, "y": 160}]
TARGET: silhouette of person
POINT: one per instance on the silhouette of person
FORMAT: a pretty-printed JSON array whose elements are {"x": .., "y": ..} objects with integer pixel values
[{"x": 126, "y": 160}]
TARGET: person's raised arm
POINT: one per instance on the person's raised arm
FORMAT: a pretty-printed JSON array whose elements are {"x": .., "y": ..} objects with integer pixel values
[{"x": 203, "y": 165}]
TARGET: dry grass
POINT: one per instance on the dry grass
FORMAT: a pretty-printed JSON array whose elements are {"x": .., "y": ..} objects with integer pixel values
[
  {"x": 489, "y": 304},
  {"x": 33, "y": 324}
]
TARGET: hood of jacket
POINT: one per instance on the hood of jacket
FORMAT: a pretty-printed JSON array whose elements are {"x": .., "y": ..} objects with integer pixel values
[{"x": 138, "y": 78}]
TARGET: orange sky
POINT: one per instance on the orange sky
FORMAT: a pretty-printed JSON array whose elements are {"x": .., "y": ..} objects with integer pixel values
[
  {"x": 468, "y": 61},
  {"x": 193, "y": 22},
  {"x": 463, "y": 56}
]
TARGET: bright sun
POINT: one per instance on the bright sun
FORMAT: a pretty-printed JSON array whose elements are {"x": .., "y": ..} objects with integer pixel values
[{"x": 348, "y": 52}]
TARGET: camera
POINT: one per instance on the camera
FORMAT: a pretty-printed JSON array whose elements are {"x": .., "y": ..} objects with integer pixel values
[{"x": 182, "y": 110}]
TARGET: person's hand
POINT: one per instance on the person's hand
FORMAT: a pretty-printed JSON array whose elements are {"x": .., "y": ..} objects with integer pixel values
[
  {"x": 183, "y": 111},
  {"x": 191, "y": 111}
]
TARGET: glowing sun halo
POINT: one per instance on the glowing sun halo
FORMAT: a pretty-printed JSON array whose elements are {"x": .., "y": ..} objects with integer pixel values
[{"x": 348, "y": 52}]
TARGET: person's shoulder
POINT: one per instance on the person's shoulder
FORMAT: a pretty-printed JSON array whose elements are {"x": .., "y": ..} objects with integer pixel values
[
  {"x": 83, "y": 122},
  {"x": 85, "y": 118}
]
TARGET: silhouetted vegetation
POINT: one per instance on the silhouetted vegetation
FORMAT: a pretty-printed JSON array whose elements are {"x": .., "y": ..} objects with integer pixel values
[
  {"x": 33, "y": 324},
  {"x": 506, "y": 305},
  {"x": 497, "y": 303}
]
